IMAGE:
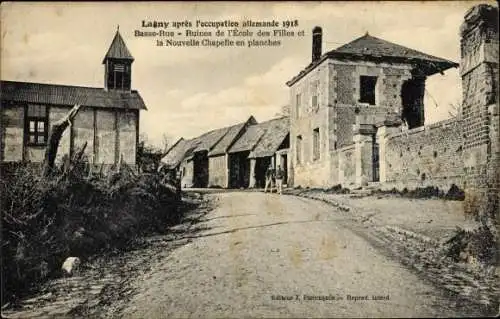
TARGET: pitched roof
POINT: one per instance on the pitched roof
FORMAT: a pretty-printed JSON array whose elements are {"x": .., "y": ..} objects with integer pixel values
[
  {"x": 249, "y": 139},
  {"x": 276, "y": 132},
  {"x": 375, "y": 49},
  {"x": 208, "y": 140},
  {"x": 69, "y": 95},
  {"x": 118, "y": 49},
  {"x": 229, "y": 138},
  {"x": 262, "y": 138},
  {"x": 372, "y": 46},
  {"x": 175, "y": 154}
]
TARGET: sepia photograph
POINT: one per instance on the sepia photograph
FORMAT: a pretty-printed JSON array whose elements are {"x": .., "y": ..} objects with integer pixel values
[{"x": 250, "y": 159}]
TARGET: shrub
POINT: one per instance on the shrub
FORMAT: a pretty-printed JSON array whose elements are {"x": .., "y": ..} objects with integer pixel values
[
  {"x": 73, "y": 212},
  {"x": 479, "y": 243}
]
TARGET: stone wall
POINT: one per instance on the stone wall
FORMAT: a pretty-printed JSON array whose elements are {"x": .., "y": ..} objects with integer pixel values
[
  {"x": 428, "y": 155},
  {"x": 345, "y": 117},
  {"x": 390, "y": 79},
  {"x": 303, "y": 121},
  {"x": 217, "y": 171},
  {"x": 479, "y": 71},
  {"x": 347, "y": 167}
]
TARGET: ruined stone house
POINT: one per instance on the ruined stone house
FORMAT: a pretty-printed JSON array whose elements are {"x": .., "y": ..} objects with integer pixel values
[
  {"x": 231, "y": 157},
  {"x": 348, "y": 107},
  {"x": 108, "y": 120}
]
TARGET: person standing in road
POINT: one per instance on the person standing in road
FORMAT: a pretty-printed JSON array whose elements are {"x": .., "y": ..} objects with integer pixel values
[
  {"x": 279, "y": 180},
  {"x": 269, "y": 179}
]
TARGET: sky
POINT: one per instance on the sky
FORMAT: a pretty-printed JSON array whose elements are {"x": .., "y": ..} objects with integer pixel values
[{"x": 189, "y": 91}]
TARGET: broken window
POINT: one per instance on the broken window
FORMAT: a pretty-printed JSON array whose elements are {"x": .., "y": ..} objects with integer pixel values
[
  {"x": 37, "y": 122},
  {"x": 412, "y": 98},
  {"x": 316, "y": 153},
  {"x": 298, "y": 149},
  {"x": 367, "y": 86}
]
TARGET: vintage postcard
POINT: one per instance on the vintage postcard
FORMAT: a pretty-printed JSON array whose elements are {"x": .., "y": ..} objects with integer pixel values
[{"x": 249, "y": 159}]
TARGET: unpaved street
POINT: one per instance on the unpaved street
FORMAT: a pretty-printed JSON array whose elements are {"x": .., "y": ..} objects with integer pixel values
[{"x": 258, "y": 248}]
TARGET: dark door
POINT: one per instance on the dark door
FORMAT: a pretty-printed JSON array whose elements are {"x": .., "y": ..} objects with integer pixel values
[
  {"x": 239, "y": 170},
  {"x": 284, "y": 167},
  {"x": 376, "y": 166},
  {"x": 200, "y": 169},
  {"x": 261, "y": 166}
]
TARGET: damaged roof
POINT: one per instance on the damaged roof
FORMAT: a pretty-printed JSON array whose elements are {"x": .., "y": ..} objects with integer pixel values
[
  {"x": 229, "y": 138},
  {"x": 175, "y": 154},
  {"x": 276, "y": 132},
  {"x": 68, "y": 95},
  {"x": 249, "y": 139},
  {"x": 209, "y": 141},
  {"x": 375, "y": 49},
  {"x": 262, "y": 139}
]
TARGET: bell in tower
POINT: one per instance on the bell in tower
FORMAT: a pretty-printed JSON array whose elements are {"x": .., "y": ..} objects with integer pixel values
[{"x": 118, "y": 65}]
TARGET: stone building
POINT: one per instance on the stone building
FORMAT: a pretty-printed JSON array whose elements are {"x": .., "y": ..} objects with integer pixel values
[
  {"x": 108, "y": 120},
  {"x": 480, "y": 113},
  {"x": 345, "y": 102},
  {"x": 231, "y": 157}
]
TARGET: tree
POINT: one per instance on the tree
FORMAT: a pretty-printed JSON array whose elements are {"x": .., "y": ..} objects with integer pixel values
[
  {"x": 165, "y": 142},
  {"x": 149, "y": 155},
  {"x": 284, "y": 111},
  {"x": 56, "y": 132}
]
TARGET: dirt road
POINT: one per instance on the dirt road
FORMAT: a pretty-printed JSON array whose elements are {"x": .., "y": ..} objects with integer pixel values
[{"x": 264, "y": 255}]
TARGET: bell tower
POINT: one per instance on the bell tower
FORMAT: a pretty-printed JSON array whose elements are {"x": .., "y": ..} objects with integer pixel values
[{"x": 118, "y": 65}]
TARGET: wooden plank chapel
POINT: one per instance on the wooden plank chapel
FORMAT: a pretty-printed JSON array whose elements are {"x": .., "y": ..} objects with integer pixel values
[{"x": 108, "y": 119}]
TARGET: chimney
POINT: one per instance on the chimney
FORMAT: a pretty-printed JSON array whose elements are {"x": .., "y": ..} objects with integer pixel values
[{"x": 316, "y": 45}]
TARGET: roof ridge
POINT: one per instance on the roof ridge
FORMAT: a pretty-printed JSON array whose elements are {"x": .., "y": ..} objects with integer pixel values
[{"x": 56, "y": 84}]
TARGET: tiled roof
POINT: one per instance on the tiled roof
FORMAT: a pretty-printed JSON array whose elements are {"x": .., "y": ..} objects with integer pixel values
[
  {"x": 118, "y": 49},
  {"x": 249, "y": 139},
  {"x": 262, "y": 138},
  {"x": 175, "y": 154},
  {"x": 230, "y": 137},
  {"x": 372, "y": 48},
  {"x": 208, "y": 140},
  {"x": 275, "y": 134},
  {"x": 69, "y": 95}
]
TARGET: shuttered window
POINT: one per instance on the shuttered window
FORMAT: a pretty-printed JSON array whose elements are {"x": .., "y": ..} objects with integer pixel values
[
  {"x": 298, "y": 98},
  {"x": 298, "y": 149},
  {"x": 316, "y": 151}
]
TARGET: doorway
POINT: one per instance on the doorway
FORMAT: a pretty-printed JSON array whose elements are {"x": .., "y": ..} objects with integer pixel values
[
  {"x": 284, "y": 167},
  {"x": 239, "y": 170}
]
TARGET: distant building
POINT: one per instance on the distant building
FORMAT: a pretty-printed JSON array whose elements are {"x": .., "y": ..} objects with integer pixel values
[
  {"x": 340, "y": 99},
  {"x": 108, "y": 120},
  {"x": 231, "y": 157}
]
